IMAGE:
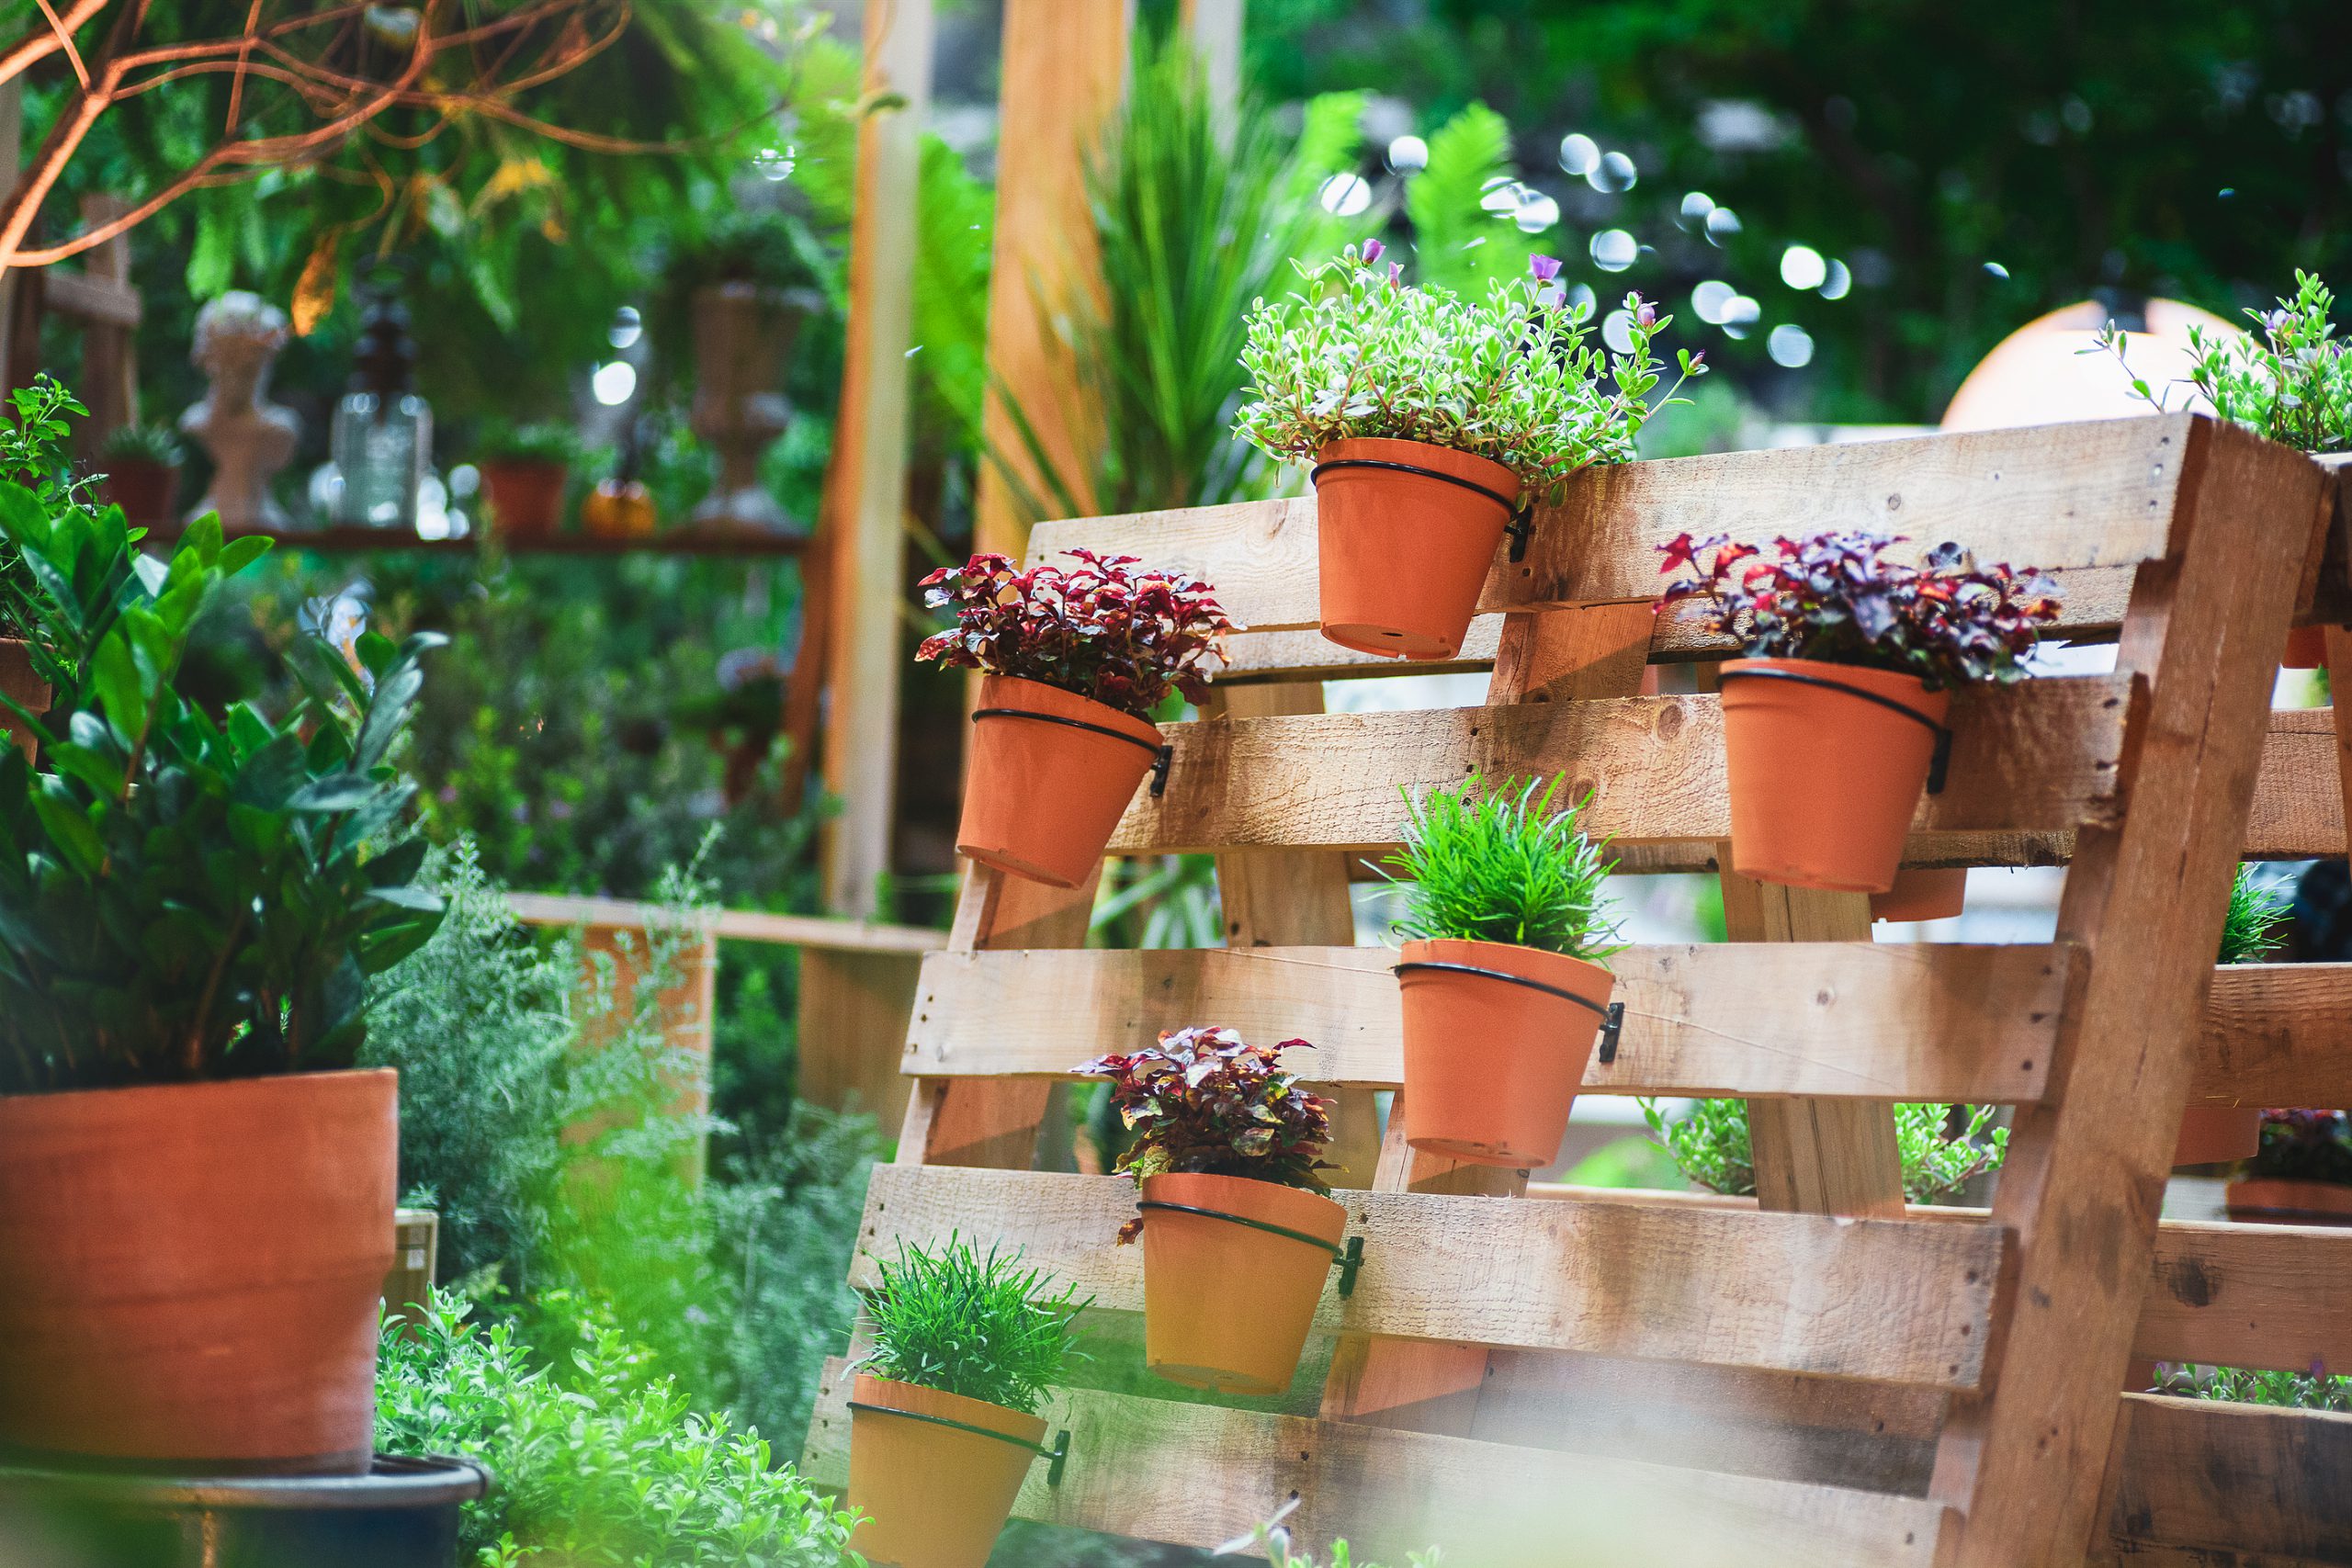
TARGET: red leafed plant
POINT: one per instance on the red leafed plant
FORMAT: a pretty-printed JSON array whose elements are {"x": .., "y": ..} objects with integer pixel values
[
  {"x": 1201, "y": 1103},
  {"x": 1831, "y": 597},
  {"x": 2305, "y": 1145},
  {"x": 1101, "y": 629}
]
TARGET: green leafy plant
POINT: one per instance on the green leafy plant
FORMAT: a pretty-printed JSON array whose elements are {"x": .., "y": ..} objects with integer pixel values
[
  {"x": 2313, "y": 1390},
  {"x": 182, "y": 899},
  {"x": 1503, "y": 865},
  {"x": 593, "y": 1461},
  {"x": 1513, "y": 379},
  {"x": 2289, "y": 379},
  {"x": 34, "y": 427},
  {"x": 1460, "y": 242},
  {"x": 528, "y": 444},
  {"x": 1710, "y": 1143},
  {"x": 2250, "y": 928},
  {"x": 156, "y": 444},
  {"x": 986, "y": 1328}
]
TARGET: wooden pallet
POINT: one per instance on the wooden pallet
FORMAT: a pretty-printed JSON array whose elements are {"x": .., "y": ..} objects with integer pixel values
[{"x": 1825, "y": 1377}]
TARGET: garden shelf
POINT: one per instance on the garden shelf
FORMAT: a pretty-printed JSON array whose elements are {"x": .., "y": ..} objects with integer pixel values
[
  {"x": 1825, "y": 1377},
  {"x": 364, "y": 541}
]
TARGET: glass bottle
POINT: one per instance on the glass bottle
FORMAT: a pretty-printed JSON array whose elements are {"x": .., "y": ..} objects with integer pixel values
[{"x": 383, "y": 432}]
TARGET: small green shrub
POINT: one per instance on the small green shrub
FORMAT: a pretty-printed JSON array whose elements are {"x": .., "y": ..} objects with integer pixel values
[
  {"x": 596, "y": 1463},
  {"x": 34, "y": 428},
  {"x": 1711, "y": 1145},
  {"x": 2313, "y": 1390},
  {"x": 1503, "y": 865},
  {"x": 982, "y": 1327},
  {"x": 2289, "y": 379}
]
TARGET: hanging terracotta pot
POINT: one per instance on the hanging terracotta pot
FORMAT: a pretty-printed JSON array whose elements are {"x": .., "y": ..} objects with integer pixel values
[
  {"x": 2211, "y": 1134},
  {"x": 1227, "y": 1306},
  {"x": 2269, "y": 1200},
  {"x": 1923, "y": 893},
  {"x": 1051, "y": 774},
  {"x": 194, "y": 1271},
  {"x": 524, "y": 496},
  {"x": 2306, "y": 649},
  {"x": 1825, "y": 781},
  {"x": 18, "y": 682},
  {"x": 933, "y": 1496},
  {"x": 1403, "y": 555},
  {"x": 1491, "y": 1065},
  {"x": 145, "y": 489}
]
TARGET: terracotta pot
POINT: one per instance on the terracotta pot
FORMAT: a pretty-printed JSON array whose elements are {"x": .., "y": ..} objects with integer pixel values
[
  {"x": 2306, "y": 649},
  {"x": 1492, "y": 1068},
  {"x": 1403, "y": 555},
  {"x": 1041, "y": 799},
  {"x": 2211, "y": 1134},
  {"x": 17, "y": 680},
  {"x": 742, "y": 335},
  {"x": 524, "y": 496},
  {"x": 193, "y": 1272},
  {"x": 144, "y": 490},
  {"x": 1923, "y": 893},
  {"x": 1824, "y": 784},
  {"x": 1226, "y": 1307},
  {"x": 2279, "y": 1203},
  {"x": 933, "y": 1496}
]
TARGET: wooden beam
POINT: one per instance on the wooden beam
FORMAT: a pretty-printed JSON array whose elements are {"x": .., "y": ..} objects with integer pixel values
[
  {"x": 1136, "y": 1468},
  {"x": 2276, "y": 1034},
  {"x": 1936, "y": 1022},
  {"x": 733, "y": 925},
  {"x": 852, "y": 1012},
  {"x": 1892, "y": 1301}
]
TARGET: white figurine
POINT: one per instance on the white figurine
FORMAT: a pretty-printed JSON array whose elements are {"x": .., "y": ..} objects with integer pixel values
[{"x": 237, "y": 338}]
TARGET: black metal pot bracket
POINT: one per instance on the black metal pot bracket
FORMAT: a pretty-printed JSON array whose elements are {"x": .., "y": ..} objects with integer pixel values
[
  {"x": 1059, "y": 1453},
  {"x": 1160, "y": 755},
  {"x": 1612, "y": 1015},
  {"x": 1521, "y": 518},
  {"x": 1939, "y": 763},
  {"x": 1348, "y": 1259}
]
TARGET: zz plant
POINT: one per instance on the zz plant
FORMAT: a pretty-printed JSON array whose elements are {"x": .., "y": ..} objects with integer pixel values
[
  {"x": 185, "y": 896},
  {"x": 984, "y": 1328},
  {"x": 1503, "y": 865}
]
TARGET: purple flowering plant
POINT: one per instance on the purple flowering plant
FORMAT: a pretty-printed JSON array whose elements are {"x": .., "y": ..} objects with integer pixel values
[
  {"x": 1517, "y": 377},
  {"x": 1104, "y": 629},
  {"x": 1834, "y": 597}
]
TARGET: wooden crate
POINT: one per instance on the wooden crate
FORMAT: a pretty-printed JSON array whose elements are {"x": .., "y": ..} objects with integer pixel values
[{"x": 1822, "y": 1377}]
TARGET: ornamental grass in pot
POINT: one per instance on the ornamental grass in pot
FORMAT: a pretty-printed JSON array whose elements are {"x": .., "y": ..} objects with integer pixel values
[
  {"x": 1075, "y": 663},
  {"x": 1833, "y": 714},
  {"x": 2301, "y": 1174},
  {"x": 142, "y": 464},
  {"x": 2218, "y": 1135},
  {"x": 1239, "y": 1234},
  {"x": 1501, "y": 979},
  {"x": 943, "y": 1422},
  {"x": 523, "y": 471},
  {"x": 196, "y": 1186},
  {"x": 1431, "y": 421}
]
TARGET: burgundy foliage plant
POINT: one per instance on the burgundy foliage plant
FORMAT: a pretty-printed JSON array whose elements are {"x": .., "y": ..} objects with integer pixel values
[
  {"x": 1201, "y": 1103},
  {"x": 1833, "y": 597},
  {"x": 2305, "y": 1145},
  {"x": 1103, "y": 630}
]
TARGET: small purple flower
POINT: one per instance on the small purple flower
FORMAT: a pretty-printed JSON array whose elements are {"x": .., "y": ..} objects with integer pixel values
[
  {"x": 1647, "y": 317},
  {"x": 1546, "y": 268},
  {"x": 1395, "y": 275},
  {"x": 1371, "y": 248}
]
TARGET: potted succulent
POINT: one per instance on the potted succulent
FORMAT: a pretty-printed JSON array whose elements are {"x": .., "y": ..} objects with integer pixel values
[
  {"x": 1076, "y": 660},
  {"x": 1501, "y": 978},
  {"x": 142, "y": 471},
  {"x": 2302, "y": 1173},
  {"x": 524, "y": 469},
  {"x": 1431, "y": 421},
  {"x": 1239, "y": 1234},
  {"x": 195, "y": 1188},
  {"x": 944, "y": 1419},
  {"x": 1833, "y": 713},
  {"x": 2216, "y": 1135}
]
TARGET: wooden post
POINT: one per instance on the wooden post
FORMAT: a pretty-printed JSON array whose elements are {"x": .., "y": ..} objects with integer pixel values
[
  {"x": 109, "y": 386},
  {"x": 1065, "y": 68},
  {"x": 866, "y": 491},
  {"x": 1217, "y": 31}
]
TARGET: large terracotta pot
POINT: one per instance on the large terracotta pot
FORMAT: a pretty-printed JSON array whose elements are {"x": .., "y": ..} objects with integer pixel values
[
  {"x": 145, "y": 490},
  {"x": 2211, "y": 1134},
  {"x": 1402, "y": 555},
  {"x": 933, "y": 1496},
  {"x": 2306, "y": 649},
  {"x": 1824, "y": 784},
  {"x": 524, "y": 496},
  {"x": 743, "y": 334},
  {"x": 193, "y": 1272},
  {"x": 2268, "y": 1200},
  {"x": 17, "y": 680},
  {"x": 1227, "y": 1306},
  {"x": 1491, "y": 1067},
  {"x": 1923, "y": 893},
  {"x": 1042, "y": 798}
]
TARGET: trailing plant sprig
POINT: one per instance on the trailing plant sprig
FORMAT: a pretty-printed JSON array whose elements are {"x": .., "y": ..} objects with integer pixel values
[
  {"x": 1503, "y": 865},
  {"x": 1514, "y": 379},
  {"x": 1711, "y": 1144},
  {"x": 1833, "y": 597},
  {"x": 2289, "y": 379},
  {"x": 1202, "y": 1103},
  {"x": 1124, "y": 637},
  {"x": 986, "y": 1328}
]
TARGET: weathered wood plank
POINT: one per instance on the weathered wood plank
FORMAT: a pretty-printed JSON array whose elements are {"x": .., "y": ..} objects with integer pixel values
[
  {"x": 2276, "y": 1034},
  {"x": 1852, "y": 1020},
  {"x": 2042, "y": 755},
  {"x": 1892, "y": 1301},
  {"x": 2257, "y": 1480},
  {"x": 733, "y": 925},
  {"x": 1136, "y": 1469}
]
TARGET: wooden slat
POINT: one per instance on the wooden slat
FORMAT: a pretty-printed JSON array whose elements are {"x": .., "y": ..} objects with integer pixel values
[
  {"x": 2265, "y": 1483},
  {"x": 2297, "y": 807},
  {"x": 734, "y": 925},
  {"x": 108, "y": 300},
  {"x": 2277, "y": 1034},
  {"x": 1197, "y": 1475},
  {"x": 1893, "y": 1300},
  {"x": 1852, "y": 1020}
]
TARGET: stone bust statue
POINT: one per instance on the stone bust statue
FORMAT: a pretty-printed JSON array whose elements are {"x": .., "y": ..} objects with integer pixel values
[{"x": 250, "y": 438}]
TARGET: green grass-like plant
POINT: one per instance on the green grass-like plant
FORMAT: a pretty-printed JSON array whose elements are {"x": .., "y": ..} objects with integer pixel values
[
  {"x": 984, "y": 1328},
  {"x": 156, "y": 444},
  {"x": 1503, "y": 865},
  {"x": 2250, "y": 928},
  {"x": 1710, "y": 1143},
  {"x": 528, "y": 444}
]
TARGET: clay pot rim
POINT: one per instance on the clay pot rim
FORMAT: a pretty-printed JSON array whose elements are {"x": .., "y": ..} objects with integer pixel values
[
  {"x": 1495, "y": 476},
  {"x": 1321, "y": 1207},
  {"x": 1120, "y": 719},
  {"x": 893, "y": 1394},
  {"x": 527, "y": 465},
  {"x": 23, "y": 1104},
  {"x": 1909, "y": 690},
  {"x": 1564, "y": 969}
]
